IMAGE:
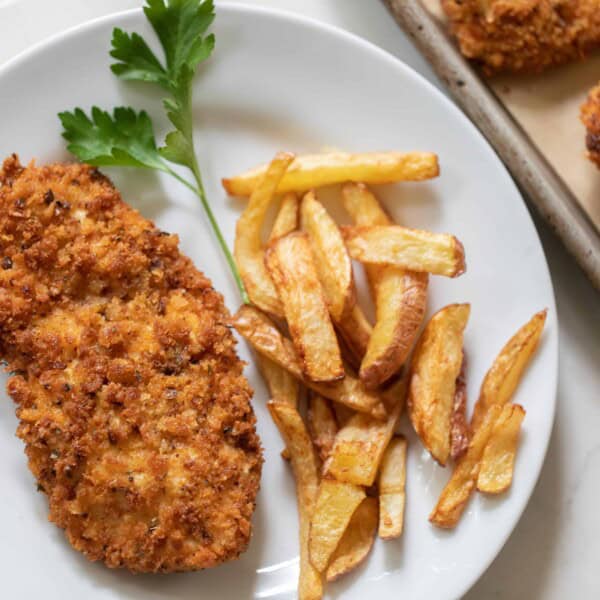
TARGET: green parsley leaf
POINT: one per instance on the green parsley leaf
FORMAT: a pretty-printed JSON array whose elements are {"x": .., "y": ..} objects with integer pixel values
[
  {"x": 180, "y": 25},
  {"x": 125, "y": 140},
  {"x": 176, "y": 149},
  {"x": 137, "y": 60}
]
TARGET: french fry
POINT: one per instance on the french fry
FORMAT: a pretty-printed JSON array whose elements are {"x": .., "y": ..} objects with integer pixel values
[
  {"x": 366, "y": 211},
  {"x": 316, "y": 170},
  {"x": 335, "y": 273},
  {"x": 392, "y": 495},
  {"x": 400, "y": 297},
  {"x": 351, "y": 361},
  {"x": 357, "y": 541},
  {"x": 258, "y": 329},
  {"x": 359, "y": 445},
  {"x": 331, "y": 257},
  {"x": 435, "y": 366},
  {"x": 400, "y": 307},
  {"x": 497, "y": 389},
  {"x": 306, "y": 474},
  {"x": 342, "y": 414},
  {"x": 282, "y": 385},
  {"x": 321, "y": 425},
  {"x": 457, "y": 492},
  {"x": 356, "y": 331},
  {"x": 263, "y": 335},
  {"x": 503, "y": 377},
  {"x": 395, "y": 392},
  {"x": 351, "y": 393},
  {"x": 413, "y": 249},
  {"x": 290, "y": 264},
  {"x": 248, "y": 247},
  {"x": 363, "y": 207},
  {"x": 459, "y": 427},
  {"x": 335, "y": 505},
  {"x": 287, "y": 217},
  {"x": 497, "y": 464}
]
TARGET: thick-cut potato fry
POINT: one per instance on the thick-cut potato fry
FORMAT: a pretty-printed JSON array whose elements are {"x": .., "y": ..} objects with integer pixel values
[
  {"x": 414, "y": 249},
  {"x": 362, "y": 206},
  {"x": 321, "y": 425},
  {"x": 351, "y": 393},
  {"x": 401, "y": 301},
  {"x": 360, "y": 444},
  {"x": 291, "y": 265},
  {"x": 366, "y": 211},
  {"x": 316, "y": 170},
  {"x": 264, "y": 336},
  {"x": 282, "y": 384},
  {"x": 342, "y": 414},
  {"x": 351, "y": 361},
  {"x": 392, "y": 495},
  {"x": 248, "y": 247},
  {"x": 331, "y": 257},
  {"x": 306, "y": 474},
  {"x": 357, "y": 541},
  {"x": 335, "y": 273},
  {"x": 258, "y": 329},
  {"x": 497, "y": 463},
  {"x": 400, "y": 297},
  {"x": 504, "y": 375},
  {"x": 336, "y": 503},
  {"x": 395, "y": 392},
  {"x": 457, "y": 492},
  {"x": 435, "y": 367},
  {"x": 287, "y": 217},
  {"x": 459, "y": 427},
  {"x": 356, "y": 332}
]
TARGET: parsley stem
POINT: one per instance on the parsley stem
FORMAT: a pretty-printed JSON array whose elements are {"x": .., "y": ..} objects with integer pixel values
[
  {"x": 188, "y": 131},
  {"x": 211, "y": 217},
  {"x": 199, "y": 191}
]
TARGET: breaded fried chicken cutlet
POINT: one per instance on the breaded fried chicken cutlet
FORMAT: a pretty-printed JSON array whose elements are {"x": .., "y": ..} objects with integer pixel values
[
  {"x": 590, "y": 116},
  {"x": 132, "y": 403},
  {"x": 524, "y": 35}
]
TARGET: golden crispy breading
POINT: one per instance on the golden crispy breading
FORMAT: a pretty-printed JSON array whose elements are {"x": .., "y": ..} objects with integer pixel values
[
  {"x": 131, "y": 399},
  {"x": 590, "y": 116},
  {"x": 524, "y": 35}
]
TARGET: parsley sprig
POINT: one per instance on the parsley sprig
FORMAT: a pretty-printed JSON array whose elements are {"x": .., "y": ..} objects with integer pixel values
[{"x": 126, "y": 138}]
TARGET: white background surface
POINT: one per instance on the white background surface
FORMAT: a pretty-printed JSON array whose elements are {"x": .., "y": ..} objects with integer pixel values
[{"x": 554, "y": 551}]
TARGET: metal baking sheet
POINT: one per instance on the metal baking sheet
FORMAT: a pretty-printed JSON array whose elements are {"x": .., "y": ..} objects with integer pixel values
[{"x": 542, "y": 186}]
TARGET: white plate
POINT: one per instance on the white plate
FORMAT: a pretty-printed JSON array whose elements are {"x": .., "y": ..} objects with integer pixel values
[{"x": 282, "y": 82}]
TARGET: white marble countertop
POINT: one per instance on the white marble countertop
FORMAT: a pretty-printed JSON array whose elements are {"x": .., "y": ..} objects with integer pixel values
[{"x": 553, "y": 553}]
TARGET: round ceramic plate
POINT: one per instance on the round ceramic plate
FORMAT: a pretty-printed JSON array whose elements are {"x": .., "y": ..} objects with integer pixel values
[{"x": 280, "y": 82}]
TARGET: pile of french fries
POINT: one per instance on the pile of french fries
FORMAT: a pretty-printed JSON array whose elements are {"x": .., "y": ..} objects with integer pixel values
[{"x": 312, "y": 336}]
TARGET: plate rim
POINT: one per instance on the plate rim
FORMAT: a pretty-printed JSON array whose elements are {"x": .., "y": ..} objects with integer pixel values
[{"x": 472, "y": 577}]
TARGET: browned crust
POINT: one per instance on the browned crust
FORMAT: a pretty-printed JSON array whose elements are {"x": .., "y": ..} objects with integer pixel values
[
  {"x": 459, "y": 428},
  {"x": 132, "y": 403},
  {"x": 524, "y": 35},
  {"x": 459, "y": 258}
]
